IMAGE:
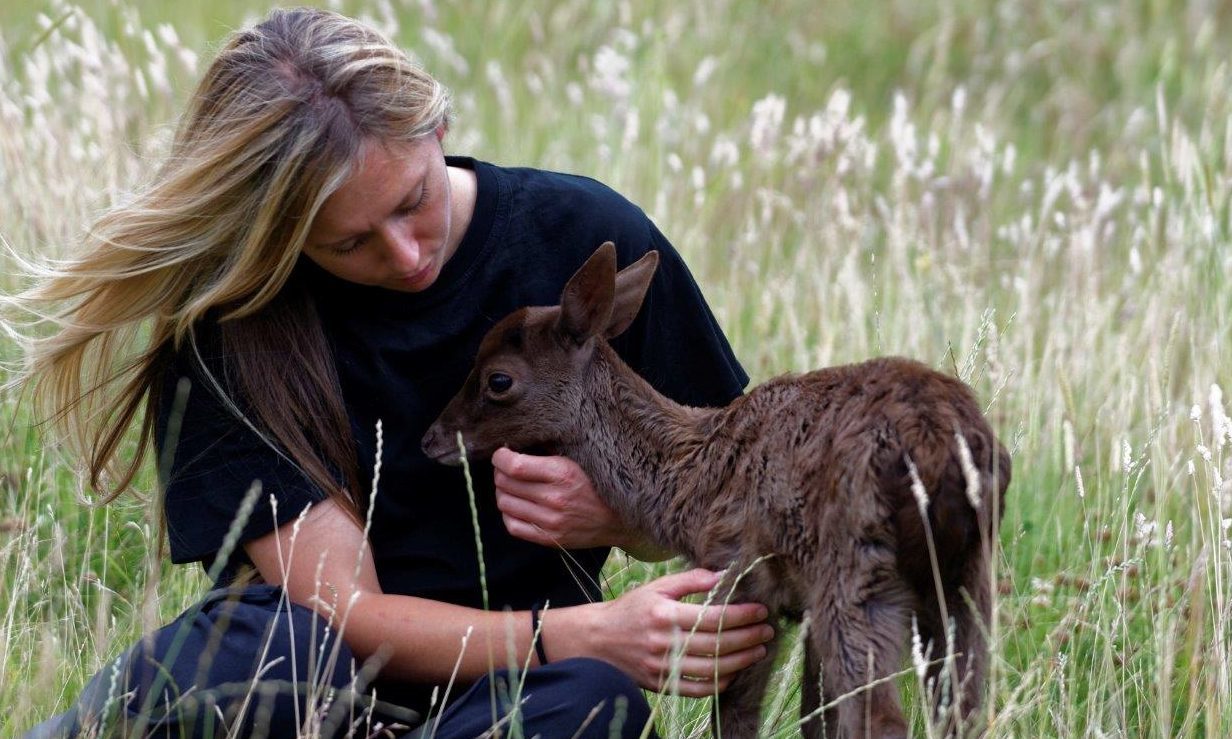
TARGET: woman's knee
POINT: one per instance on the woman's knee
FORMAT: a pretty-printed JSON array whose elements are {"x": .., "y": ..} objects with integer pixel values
[
  {"x": 585, "y": 691},
  {"x": 578, "y": 697},
  {"x": 247, "y": 656},
  {"x": 253, "y": 634}
]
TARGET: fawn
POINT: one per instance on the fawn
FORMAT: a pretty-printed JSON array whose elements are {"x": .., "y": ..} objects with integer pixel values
[{"x": 859, "y": 498}]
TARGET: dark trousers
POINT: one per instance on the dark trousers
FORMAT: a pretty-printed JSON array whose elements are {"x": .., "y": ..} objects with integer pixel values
[{"x": 250, "y": 659}]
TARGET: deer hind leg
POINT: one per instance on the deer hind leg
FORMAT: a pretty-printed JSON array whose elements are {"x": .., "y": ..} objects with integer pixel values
[
  {"x": 956, "y": 709},
  {"x": 856, "y": 633}
]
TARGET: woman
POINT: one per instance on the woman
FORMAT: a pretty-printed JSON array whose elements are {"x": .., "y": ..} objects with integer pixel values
[{"x": 307, "y": 263}]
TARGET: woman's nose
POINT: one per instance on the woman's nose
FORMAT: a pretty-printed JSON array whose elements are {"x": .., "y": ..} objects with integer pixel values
[{"x": 402, "y": 251}]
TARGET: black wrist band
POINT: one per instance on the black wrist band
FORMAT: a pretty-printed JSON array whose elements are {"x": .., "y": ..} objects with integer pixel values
[{"x": 536, "y": 635}]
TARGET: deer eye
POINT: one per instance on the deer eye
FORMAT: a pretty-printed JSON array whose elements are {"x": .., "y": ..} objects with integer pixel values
[{"x": 499, "y": 382}]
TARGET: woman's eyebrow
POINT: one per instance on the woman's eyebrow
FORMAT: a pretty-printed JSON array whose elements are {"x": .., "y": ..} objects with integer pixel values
[{"x": 418, "y": 185}]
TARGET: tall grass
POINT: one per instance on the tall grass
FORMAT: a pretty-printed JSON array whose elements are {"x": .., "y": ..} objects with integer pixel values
[{"x": 1034, "y": 196}]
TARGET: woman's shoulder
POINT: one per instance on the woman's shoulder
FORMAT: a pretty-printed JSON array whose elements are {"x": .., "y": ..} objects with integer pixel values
[
  {"x": 551, "y": 185},
  {"x": 197, "y": 377},
  {"x": 200, "y": 351},
  {"x": 553, "y": 200}
]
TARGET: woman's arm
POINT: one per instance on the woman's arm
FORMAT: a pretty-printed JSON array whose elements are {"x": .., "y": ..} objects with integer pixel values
[{"x": 326, "y": 566}]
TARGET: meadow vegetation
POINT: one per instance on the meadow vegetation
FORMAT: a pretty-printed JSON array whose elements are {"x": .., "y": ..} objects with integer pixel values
[{"x": 1034, "y": 196}]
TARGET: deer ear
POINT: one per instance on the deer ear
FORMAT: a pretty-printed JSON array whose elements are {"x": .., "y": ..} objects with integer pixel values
[
  {"x": 586, "y": 303},
  {"x": 631, "y": 285}
]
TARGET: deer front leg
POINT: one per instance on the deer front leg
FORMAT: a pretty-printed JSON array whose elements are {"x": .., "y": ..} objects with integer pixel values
[
  {"x": 737, "y": 712},
  {"x": 814, "y": 724},
  {"x": 739, "y": 707}
]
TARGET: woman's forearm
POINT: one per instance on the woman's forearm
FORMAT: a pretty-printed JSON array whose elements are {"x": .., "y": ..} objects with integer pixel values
[{"x": 424, "y": 641}]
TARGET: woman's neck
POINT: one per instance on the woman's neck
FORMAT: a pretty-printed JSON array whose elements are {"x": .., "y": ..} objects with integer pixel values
[{"x": 463, "y": 190}]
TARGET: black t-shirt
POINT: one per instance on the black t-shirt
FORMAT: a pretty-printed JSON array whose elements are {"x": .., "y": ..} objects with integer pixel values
[{"x": 400, "y": 358}]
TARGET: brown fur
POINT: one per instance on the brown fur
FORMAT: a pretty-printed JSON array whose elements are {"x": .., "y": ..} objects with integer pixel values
[{"x": 808, "y": 471}]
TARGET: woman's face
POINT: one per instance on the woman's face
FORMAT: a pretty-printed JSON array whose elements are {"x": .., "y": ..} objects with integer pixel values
[{"x": 389, "y": 224}]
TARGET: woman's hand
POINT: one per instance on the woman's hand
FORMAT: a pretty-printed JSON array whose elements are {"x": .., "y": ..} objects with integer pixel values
[
  {"x": 666, "y": 645},
  {"x": 551, "y": 501}
]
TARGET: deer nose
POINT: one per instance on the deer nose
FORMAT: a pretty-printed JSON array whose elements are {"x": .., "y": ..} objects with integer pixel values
[
  {"x": 431, "y": 440},
  {"x": 441, "y": 446}
]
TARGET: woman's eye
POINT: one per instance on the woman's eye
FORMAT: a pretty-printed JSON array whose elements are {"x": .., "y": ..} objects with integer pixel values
[
  {"x": 499, "y": 382},
  {"x": 412, "y": 208}
]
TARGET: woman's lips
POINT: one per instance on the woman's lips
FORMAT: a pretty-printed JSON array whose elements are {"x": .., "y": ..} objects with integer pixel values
[{"x": 414, "y": 280}]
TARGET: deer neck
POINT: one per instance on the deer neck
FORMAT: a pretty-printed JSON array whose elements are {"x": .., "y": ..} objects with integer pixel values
[{"x": 637, "y": 447}]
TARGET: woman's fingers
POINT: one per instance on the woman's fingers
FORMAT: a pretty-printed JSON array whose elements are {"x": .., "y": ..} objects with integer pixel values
[
  {"x": 702, "y": 676},
  {"x": 708, "y": 668},
  {"x": 541, "y": 493},
  {"x": 685, "y": 648},
  {"x": 727, "y": 641},
  {"x": 532, "y": 467},
  {"x": 527, "y": 531},
  {"x": 712, "y": 616},
  {"x": 550, "y": 501},
  {"x": 518, "y": 506},
  {"x": 695, "y": 688},
  {"x": 717, "y": 617},
  {"x": 677, "y": 585}
]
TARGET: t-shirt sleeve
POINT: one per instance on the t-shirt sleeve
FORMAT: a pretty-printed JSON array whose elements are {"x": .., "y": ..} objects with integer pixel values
[
  {"x": 209, "y": 465},
  {"x": 675, "y": 343}
]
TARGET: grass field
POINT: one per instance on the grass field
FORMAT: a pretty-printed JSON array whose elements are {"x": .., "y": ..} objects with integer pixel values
[{"x": 1036, "y": 196}]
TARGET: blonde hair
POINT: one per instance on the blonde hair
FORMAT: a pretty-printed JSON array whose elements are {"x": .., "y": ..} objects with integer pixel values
[{"x": 274, "y": 127}]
